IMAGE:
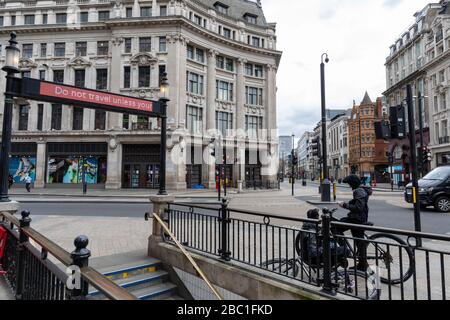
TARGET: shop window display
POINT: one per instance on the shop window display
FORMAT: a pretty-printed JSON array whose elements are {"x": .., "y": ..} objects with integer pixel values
[
  {"x": 22, "y": 167},
  {"x": 69, "y": 170}
]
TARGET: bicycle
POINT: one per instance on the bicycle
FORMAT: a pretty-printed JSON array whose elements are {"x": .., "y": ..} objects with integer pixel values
[{"x": 392, "y": 266}]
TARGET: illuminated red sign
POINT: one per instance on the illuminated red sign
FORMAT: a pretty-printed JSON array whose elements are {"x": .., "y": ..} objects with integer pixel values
[{"x": 94, "y": 97}]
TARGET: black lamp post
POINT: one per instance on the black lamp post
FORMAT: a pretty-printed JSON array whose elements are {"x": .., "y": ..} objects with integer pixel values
[
  {"x": 326, "y": 185},
  {"x": 164, "y": 94},
  {"x": 292, "y": 164},
  {"x": 11, "y": 67}
]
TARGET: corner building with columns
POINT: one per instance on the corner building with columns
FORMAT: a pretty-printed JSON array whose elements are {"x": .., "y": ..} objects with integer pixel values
[{"x": 221, "y": 61}]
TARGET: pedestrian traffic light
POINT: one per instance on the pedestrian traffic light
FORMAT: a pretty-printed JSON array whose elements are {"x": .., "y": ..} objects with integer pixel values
[{"x": 295, "y": 160}]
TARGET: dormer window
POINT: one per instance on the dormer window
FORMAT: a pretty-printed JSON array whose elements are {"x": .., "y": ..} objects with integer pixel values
[
  {"x": 251, "y": 18},
  {"x": 222, "y": 8}
]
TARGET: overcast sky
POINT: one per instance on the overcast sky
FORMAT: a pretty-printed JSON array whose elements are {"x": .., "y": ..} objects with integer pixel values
[{"x": 356, "y": 34}]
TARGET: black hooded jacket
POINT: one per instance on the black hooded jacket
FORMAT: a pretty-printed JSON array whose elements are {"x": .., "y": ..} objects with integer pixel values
[{"x": 358, "y": 207}]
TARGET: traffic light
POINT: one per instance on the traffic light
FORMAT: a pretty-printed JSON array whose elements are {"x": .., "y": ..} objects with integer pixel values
[
  {"x": 295, "y": 160},
  {"x": 383, "y": 130},
  {"x": 398, "y": 122},
  {"x": 426, "y": 155},
  {"x": 316, "y": 150}
]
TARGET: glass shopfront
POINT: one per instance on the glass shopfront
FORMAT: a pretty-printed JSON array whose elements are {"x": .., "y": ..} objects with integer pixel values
[{"x": 141, "y": 167}]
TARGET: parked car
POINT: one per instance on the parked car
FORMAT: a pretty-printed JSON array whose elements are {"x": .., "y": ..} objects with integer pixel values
[{"x": 434, "y": 190}]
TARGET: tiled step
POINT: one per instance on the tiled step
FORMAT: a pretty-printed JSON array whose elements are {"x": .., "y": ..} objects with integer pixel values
[
  {"x": 139, "y": 281},
  {"x": 131, "y": 269},
  {"x": 157, "y": 292}
]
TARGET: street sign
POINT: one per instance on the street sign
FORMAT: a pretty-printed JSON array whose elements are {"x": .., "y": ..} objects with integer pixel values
[{"x": 60, "y": 93}]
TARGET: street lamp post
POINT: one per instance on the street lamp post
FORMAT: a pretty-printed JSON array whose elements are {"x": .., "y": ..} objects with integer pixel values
[
  {"x": 11, "y": 67},
  {"x": 292, "y": 164},
  {"x": 164, "y": 94},
  {"x": 326, "y": 194}
]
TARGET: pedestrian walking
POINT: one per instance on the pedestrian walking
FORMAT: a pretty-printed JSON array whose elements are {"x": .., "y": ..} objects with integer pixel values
[
  {"x": 10, "y": 181},
  {"x": 28, "y": 183}
]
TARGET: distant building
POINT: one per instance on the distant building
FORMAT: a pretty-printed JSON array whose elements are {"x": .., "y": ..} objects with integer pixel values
[
  {"x": 338, "y": 145},
  {"x": 304, "y": 152},
  {"x": 368, "y": 156}
]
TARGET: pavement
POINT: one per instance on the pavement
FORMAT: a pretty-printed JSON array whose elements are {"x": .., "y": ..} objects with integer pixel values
[
  {"x": 121, "y": 195},
  {"x": 5, "y": 291}
]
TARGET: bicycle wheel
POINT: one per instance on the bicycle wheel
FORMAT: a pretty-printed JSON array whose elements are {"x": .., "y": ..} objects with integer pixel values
[
  {"x": 281, "y": 266},
  {"x": 357, "y": 284},
  {"x": 391, "y": 257}
]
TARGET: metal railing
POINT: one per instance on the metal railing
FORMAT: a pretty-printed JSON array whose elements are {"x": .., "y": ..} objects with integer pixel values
[
  {"x": 33, "y": 275},
  {"x": 392, "y": 267},
  {"x": 188, "y": 256},
  {"x": 258, "y": 184},
  {"x": 221, "y": 232}
]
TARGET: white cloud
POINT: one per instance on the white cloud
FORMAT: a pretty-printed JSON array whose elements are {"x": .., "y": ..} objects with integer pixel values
[{"x": 356, "y": 34}]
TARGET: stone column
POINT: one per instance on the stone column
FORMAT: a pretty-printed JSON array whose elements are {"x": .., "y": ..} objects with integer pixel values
[
  {"x": 51, "y": 18},
  {"x": 176, "y": 110},
  {"x": 47, "y": 117},
  {"x": 38, "y": 19},
  {"x": 211, "y": 91},
  {"x": 210, "y": 111},
  {"x": 154, "y": 75},
  {"x": 240, "y": 97},
  {"x": 270, "y": 103},
  {"x": 32, "y": 116},
  {"x": 115, "y": 119},
  {"x": 7, "y": 19},
  {"x": 155, "y": 9},
  {"x": 114, "y": 165},
  {"x": 67, "y": 111},
  {"x": 136, "y": 9},
  {"x": 41, "y": 163},
  {"x": 159, "y": 203}
]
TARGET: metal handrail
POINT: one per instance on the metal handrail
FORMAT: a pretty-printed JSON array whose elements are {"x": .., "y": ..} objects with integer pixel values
[
  {"x": 109, "y": 288},
  {"x": 188, "y": 256}
]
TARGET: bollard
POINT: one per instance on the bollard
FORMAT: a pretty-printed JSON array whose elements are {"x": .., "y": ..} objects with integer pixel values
[
  {"x": 327, "y": 285},
  {"x": 80, "y": 258},
  {"x": 23, "y": 239},
  {"x": 224, "y": 230},
  {"x": 334, "y": 191}
]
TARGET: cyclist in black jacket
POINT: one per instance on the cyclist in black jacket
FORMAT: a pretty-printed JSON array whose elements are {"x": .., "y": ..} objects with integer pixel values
[{"x": 359, "y": 212}]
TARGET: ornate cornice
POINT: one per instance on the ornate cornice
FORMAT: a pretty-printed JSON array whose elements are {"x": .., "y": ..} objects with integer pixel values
[
  {"x": 26, "y": 63},
  {"x": 144, "y": 59},
  {"x": 175, "y": 37},
  {"x": 79, "y": 63}
]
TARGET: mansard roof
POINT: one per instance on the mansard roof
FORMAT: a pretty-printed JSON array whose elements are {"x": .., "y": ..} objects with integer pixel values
[{"x": 237, "y": 9}]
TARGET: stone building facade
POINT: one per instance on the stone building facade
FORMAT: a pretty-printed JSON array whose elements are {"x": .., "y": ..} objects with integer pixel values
[{"x": 221, "y": 61}]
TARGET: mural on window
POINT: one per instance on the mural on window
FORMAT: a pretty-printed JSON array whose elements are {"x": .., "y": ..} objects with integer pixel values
[
  {"x": 70, "y": 170},
  {"x": 22, "y": 167}
]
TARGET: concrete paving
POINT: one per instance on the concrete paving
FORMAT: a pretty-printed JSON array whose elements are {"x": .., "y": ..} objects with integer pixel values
[{"x": 5, "y": 290}]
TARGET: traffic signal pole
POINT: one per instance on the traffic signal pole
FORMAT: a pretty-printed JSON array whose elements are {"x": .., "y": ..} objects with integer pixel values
[
  {"x": 422, "y": 154},
  {"x": 413, "y": 163}
]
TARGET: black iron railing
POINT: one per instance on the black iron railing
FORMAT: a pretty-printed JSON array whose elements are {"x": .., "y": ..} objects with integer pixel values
[
  {"x": 258, "y": 184},
  {"x": 371, "y": 263},
  {"x": 258, "y": 242},
  {"x": 32, "y": 272}
]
